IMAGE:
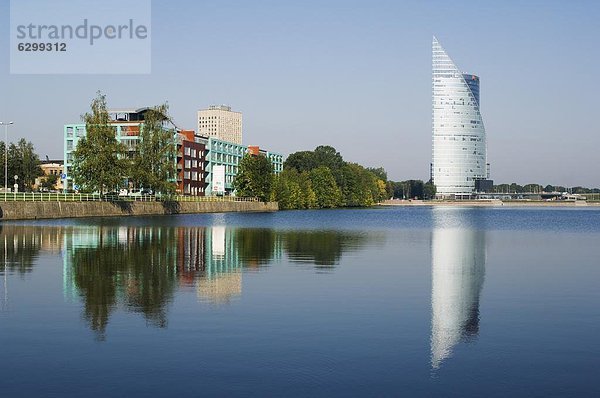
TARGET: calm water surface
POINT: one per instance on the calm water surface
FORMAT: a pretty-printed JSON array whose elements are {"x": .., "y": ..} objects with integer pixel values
[{"x": 378, "y": 302}]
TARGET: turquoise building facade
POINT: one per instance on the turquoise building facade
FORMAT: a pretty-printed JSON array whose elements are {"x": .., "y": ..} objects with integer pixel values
[
  {"x": 229, "y": 154},
  {"x": 126, "y": 133}
]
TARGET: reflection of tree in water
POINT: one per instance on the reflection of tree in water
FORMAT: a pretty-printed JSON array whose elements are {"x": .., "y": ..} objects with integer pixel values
[
  {"x": 255, "y": 246},
  {"x": 138, "y": 268},
  {"x": 20, "y": 245},
  {"x": 322, "y": 248},
  {"x": 141, "y": 267}
]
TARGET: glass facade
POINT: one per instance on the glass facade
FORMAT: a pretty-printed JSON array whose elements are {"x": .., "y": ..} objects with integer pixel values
[{"x": 459, "y": 141}]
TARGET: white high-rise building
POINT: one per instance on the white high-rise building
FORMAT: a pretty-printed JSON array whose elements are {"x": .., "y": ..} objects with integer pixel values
[
  {"x": 459, "y": 141},
  {"x": 220, "y": 122}
]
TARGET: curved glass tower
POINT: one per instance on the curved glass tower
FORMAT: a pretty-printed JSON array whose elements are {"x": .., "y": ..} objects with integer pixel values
[{"x": 459, "y": 143}]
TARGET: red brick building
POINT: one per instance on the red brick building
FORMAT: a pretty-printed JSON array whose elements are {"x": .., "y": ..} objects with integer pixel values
[{"x": 191, "y": 162}]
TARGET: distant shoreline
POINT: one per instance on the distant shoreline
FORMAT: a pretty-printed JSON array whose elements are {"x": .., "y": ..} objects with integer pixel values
[{"x": 490, "y": 203}]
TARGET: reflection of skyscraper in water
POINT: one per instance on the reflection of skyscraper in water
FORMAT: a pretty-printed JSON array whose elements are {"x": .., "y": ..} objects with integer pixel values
[{"x": 458, "y": 267}]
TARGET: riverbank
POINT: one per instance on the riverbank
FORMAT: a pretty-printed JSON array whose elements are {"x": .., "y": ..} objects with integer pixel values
[
  {"x": 490, "y": 203},
  {"x": 45, "y": 210}
]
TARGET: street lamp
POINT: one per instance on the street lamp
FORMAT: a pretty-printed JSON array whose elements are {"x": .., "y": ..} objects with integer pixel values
[{"x": 6, "y": 124}]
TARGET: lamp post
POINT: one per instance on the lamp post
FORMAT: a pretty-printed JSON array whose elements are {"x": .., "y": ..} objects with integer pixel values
[{"x": 6, "y": 124}]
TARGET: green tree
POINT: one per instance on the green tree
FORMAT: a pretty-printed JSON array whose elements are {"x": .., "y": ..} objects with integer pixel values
[
  {"x": 323, "y": 155},
  {"x": 29, "y": 168},
  {"x": 153, "y": 164},
  {"x": 309, "y": 197},
  {"x": 514, "y": 187},
  {"x": 533, "y": 188},
  {"x": 49, "y": 182},
  {"x": 23, "y": 162},
  {"x": 281, "y": 192},
  {"x": 326, "y": 155},
  {"x": 413, "y": 189},
  {"x": 98, "y": 161},
  {"x": 360, "y": 186},
  {"x": 301, "y": 161},
  {"x": 255, "y": 177},
  {"x": 293, "y": 190},
  {"x": 378, "y": 172},
  {"x": 326, "y": 190},
  {"x": 429, "y": 190}
]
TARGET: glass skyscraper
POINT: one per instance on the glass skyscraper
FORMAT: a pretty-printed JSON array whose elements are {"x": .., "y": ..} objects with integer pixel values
[{"x": 459, "y": 142}]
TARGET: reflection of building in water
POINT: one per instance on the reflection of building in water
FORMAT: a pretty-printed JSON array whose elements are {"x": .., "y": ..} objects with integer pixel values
[
  {"x": 222, "y": 279},
  {"x": 220, "y": 287},
  {"x": 207, "y": 258},
  {"x": 191, "y": 245},
  {"x": 458, "y": 268}
]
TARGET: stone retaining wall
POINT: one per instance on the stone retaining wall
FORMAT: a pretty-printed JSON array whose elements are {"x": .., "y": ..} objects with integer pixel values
[{"x": 35, "y": 210}]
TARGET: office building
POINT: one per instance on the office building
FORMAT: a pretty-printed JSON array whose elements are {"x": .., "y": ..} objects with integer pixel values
[
  {"x": 459, "y": 139},
  {"x": 220, "y": 122}
]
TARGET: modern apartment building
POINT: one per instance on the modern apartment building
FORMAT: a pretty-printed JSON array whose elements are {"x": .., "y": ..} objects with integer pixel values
[
  {"x": 191, "y": 162},
  {"x": 223, "y": 153},
  {"x": 275, "y": 158},
  {"x": 229, "y": 155},
  {"x": 127, "y": 124},
  {"x": 195, "y": 157},
  {"x": 459, "y": 162},
  {"x": 220, "y": 122}
]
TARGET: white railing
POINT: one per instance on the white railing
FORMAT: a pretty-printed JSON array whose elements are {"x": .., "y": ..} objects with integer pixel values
[{"x": 89, "y": 197}]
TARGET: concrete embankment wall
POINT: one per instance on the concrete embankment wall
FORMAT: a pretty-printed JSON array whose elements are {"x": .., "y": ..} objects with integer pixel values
[{"x": 35, "y": 210}]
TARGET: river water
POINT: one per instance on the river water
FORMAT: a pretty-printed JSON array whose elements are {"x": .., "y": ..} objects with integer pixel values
[{"x": 370, "y": 302}]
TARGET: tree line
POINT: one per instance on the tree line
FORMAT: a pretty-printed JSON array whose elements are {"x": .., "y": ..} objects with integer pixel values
[
  {"x": 538, "y": 188},
  {"x": 312, "y": 179}
]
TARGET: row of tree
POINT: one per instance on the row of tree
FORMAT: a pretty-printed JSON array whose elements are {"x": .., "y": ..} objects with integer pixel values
[
  {"x": 537, "y": 188},
  {"x": 101, "y": 163},
  {"x": 411, "y": 189},
  {"x": 311, "y": 179}
]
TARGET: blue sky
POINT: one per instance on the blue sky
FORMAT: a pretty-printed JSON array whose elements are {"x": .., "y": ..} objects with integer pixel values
[{"x": 355, "y": 75}]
